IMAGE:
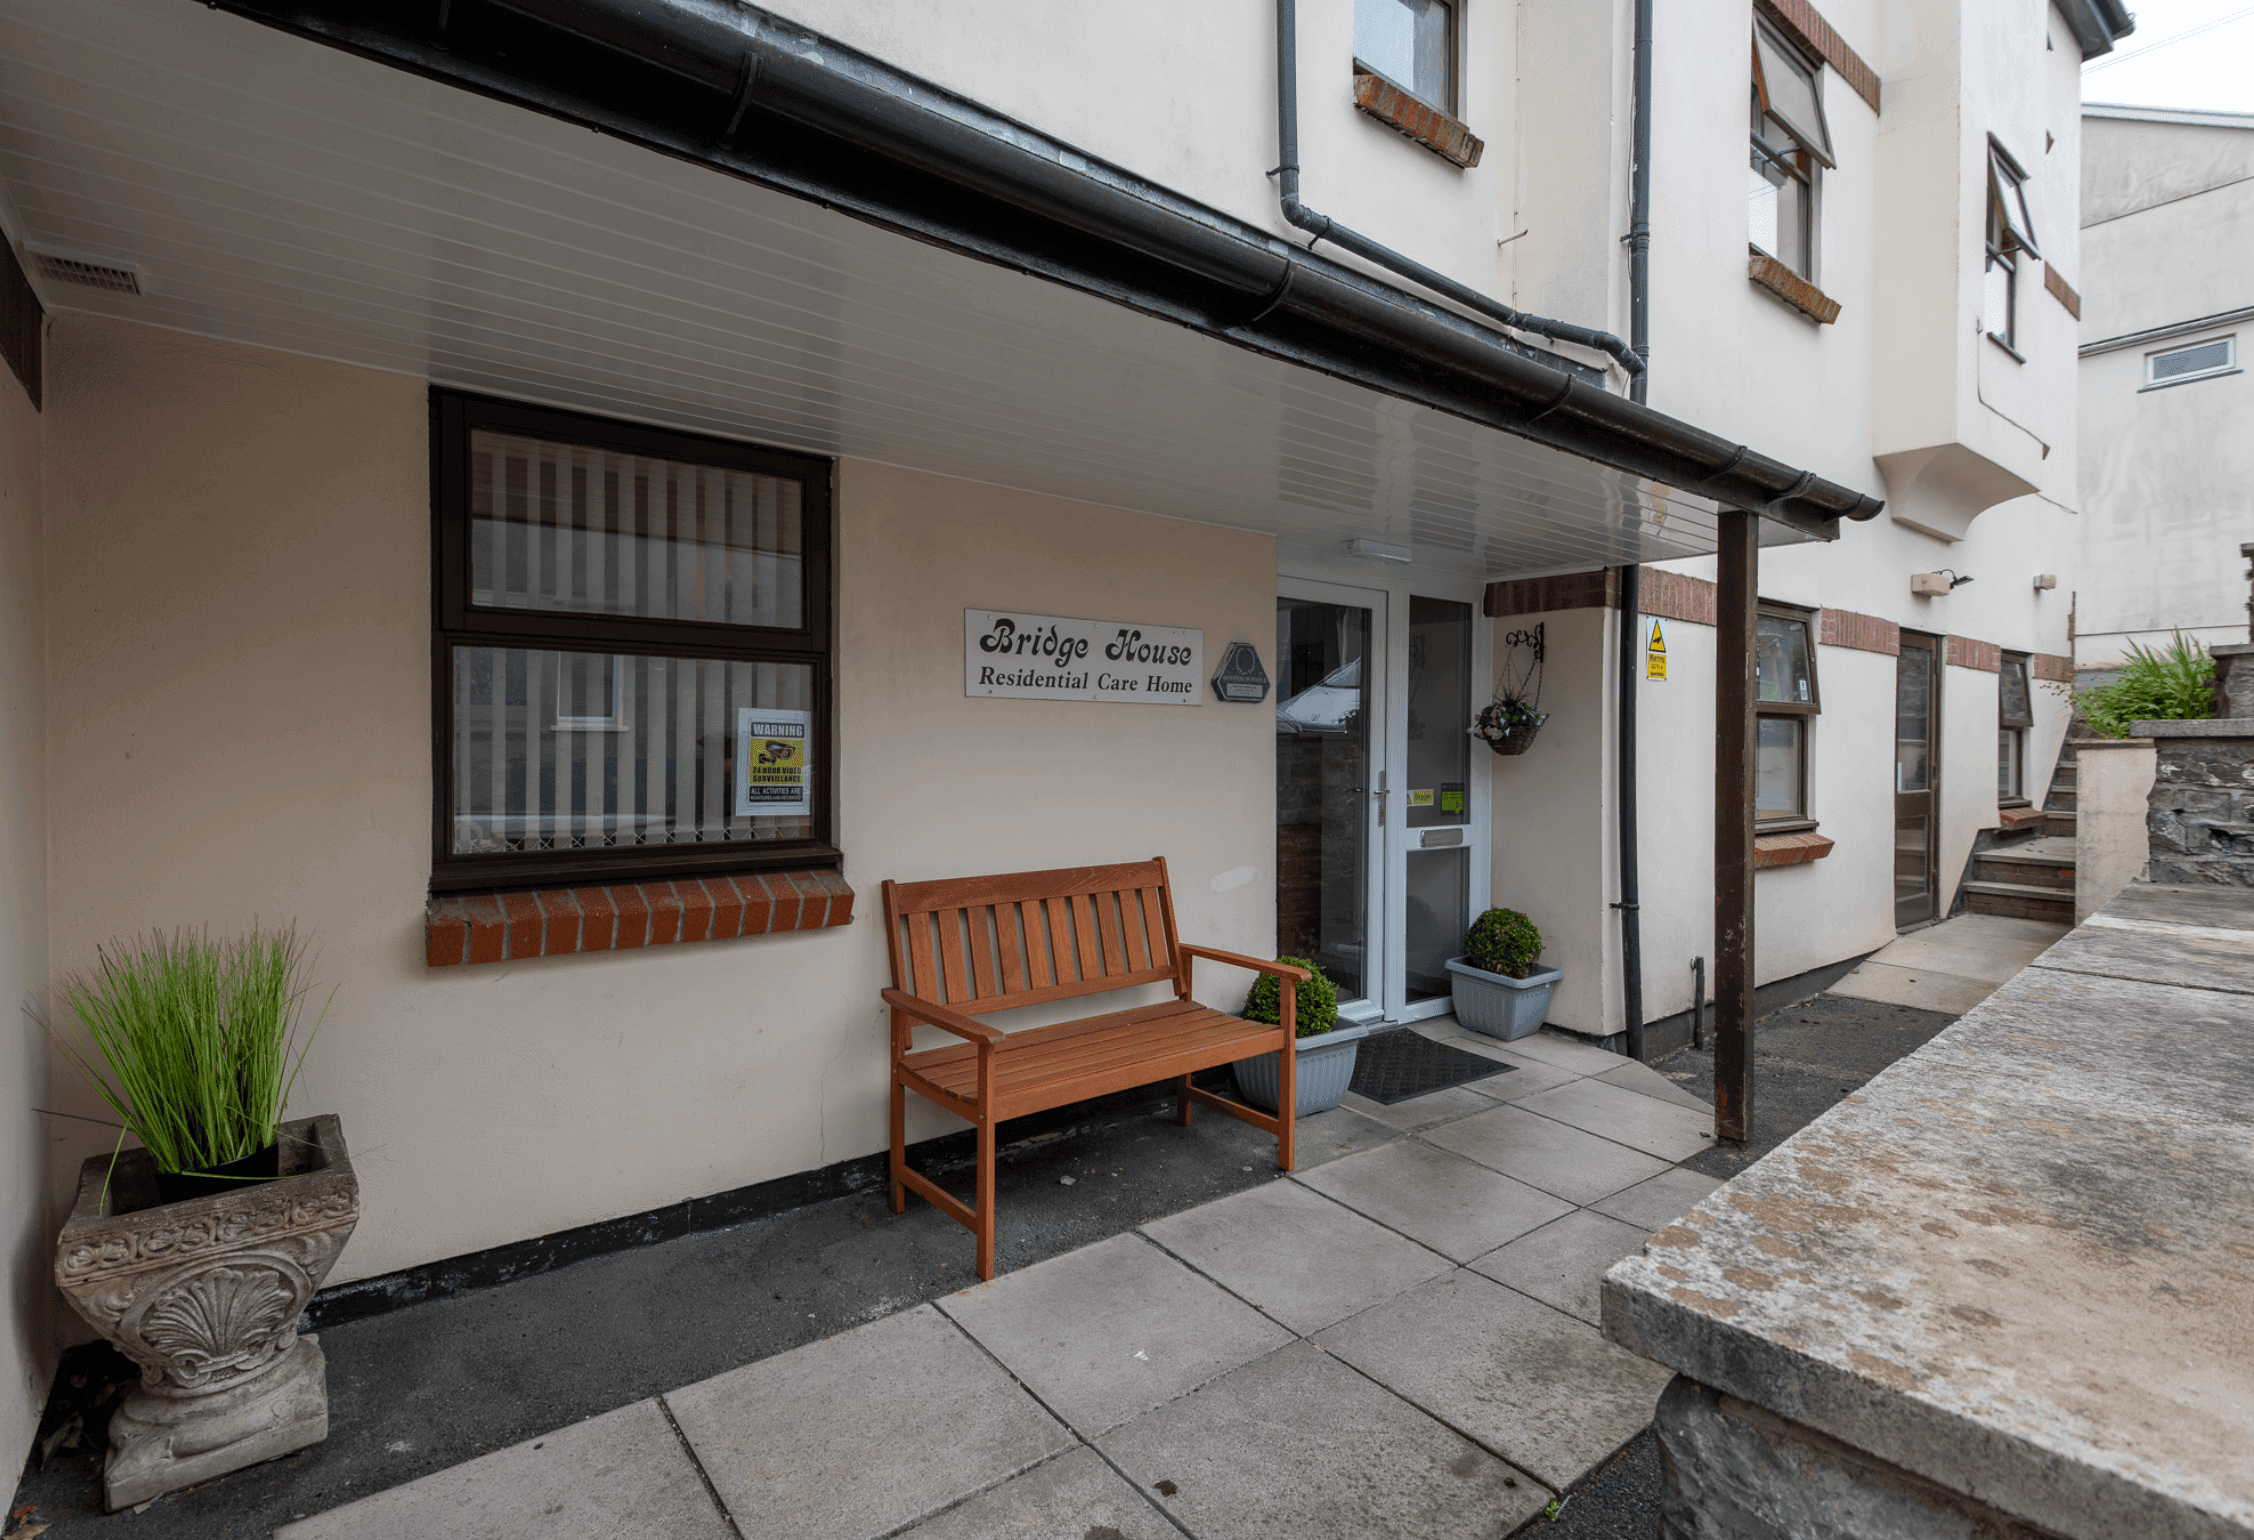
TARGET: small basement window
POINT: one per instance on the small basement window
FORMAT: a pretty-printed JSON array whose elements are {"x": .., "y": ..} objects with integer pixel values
[{"x": 2202, "y": 360}]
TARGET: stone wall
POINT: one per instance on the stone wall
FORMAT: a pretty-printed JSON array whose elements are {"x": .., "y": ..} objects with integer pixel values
[{"x": 2201, "y": 813}]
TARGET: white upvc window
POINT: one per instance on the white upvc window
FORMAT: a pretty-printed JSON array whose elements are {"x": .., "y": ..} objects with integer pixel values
[{"x": 2196, "y": 361}]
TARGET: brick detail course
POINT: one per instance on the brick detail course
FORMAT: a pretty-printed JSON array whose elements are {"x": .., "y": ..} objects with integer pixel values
[
  {"x": 501, "y": 927},
  {"x": 1790, "y": 287},
  {"x": 1789, "y": 849},
  {"x": 2053, "y": 666},
  {"x": 1798, "y": 20},
  {"x": 1964, "y": 652},
  {"x": 1863, "y": 633},
  {"x": 1427, "y": 125},
  {"x": 2062, "y": 291},
  {"x": 2019, "y": 817},
  {"x": 1677, "y": 596}
]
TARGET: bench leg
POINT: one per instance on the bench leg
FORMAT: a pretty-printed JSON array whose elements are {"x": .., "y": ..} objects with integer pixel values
[
  {"x": 899, "y": 1145},
  {"x": 985, "y": 1230},
  {"x": 1287, "y": 1104},
  {"x": 1182, "y": 1101}
]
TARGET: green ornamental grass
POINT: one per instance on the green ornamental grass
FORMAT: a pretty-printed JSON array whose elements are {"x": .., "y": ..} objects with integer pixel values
[
  {"x": 2174, "y": 685},
  {"x": 193, "y": 1042}
]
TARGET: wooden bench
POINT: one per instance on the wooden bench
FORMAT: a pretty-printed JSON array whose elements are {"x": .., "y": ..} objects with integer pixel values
[{"x": 983, "y": 944}]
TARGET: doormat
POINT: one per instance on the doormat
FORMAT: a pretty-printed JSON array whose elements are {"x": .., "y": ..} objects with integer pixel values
[{"x": 1397, "y": 1064}]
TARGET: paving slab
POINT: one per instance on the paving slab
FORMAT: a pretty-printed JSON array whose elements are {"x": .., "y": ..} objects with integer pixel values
[
  {"x": 1298, "y": 1445},
  {"x": 1974, "y": 946},
  {"x": 1417, "y": 1112},
  {"x": 1658, "y": 1203},
  {"x": 859, "y": 1434},
  {"x": 1322, "y": 1137},
  {"x": 1534, "y": 1385},
  {"x": 1564, "y": 1052},
  {"x": 1541, "y": 1152},
  {"x": 1641, "y": 1122},
  {"x": 1528, "y": 1077},
  {"x": 1456, "y": 1206},
  {"x": 1924, "y": 989},
  {"x": 1302, "y": 1258},
  {"x": 1642, "y": 1078},
  {"x": 1114, "y": 1329},
  {"x": 1563, "y": 1263},
  {"x": 1067, "y": 1499},
  {"x": 622, "y": 1473}
]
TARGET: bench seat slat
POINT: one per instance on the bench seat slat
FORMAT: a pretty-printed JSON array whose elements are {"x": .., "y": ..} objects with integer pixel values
[
  {"x": 1115, "y": 1056},
  {"x": 1020, "y": 887}
]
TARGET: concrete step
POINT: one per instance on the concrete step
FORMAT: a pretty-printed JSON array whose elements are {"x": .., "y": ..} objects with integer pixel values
[
  {"x": 2025, "y": 868},
  {"x": 2064, "y": 776},
  {"x": 2019, "y": 901},
  {"x": 2060, "y": 800},
  {"x": 2059, "y": 825}
]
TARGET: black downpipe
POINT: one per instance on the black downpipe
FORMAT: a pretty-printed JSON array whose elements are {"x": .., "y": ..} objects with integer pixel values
[
  {"x": 1324, "y": 228},
  {"x": 1631, "y": 577}
]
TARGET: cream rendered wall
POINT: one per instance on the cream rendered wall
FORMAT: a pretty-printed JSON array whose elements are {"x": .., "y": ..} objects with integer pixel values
[
  {"x": 1185, "y": 94},
  {"x": 1553, "y": 820},
  {"x": 240, "y": 640},
  {"x": 27, "y": 1358},
  {"x": 2165, "y": 471}
]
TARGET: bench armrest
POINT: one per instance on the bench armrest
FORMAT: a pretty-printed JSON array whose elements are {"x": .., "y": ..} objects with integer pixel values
[
  {"x": 1235, "y": 960},
  {"x": 942, "y": 1018}
]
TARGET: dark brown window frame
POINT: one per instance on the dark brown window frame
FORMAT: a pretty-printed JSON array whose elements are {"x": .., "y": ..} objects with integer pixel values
[
  {"x": 1805, "y": 617},
  {"x": 456, "y": 622},
  {"x": 2022, "y": 725}
]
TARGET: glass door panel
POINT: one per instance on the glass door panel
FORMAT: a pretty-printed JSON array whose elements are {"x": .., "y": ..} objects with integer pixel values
[
  {"x": 1916, "y": 767},
  {"x": 1437, "y": 812},
  {"x": 1326, "y": 781}
]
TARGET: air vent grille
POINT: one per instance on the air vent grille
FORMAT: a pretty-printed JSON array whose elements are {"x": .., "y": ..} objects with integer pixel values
[
  {"x": 2183, "y": 363},
  {"x": 117, "y": 278}
]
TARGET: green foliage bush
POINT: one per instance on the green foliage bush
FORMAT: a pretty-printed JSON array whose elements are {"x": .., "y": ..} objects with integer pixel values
[
  {"x": 2175, "y": 685},
  {"x": 191, "y": 1041},
  {"x": 1314, "y": 1008},
  {"x": 1503, "y": 941}
]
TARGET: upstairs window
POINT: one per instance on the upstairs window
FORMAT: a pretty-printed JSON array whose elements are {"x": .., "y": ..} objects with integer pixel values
[
  {"x": 1411, "y": 43},
  {"x": 2011, "y": 239},
  {"x": 1791, "y": 146},
  {"x": 2015, "y": 714},
  {"x": 1784, "y": 710}
]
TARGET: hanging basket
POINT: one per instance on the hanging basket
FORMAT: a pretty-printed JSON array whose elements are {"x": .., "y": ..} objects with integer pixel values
[
  {"x": 1508, "y": 726},
  {"x": 1509, "y": 722},
  {"x": 1517, "y": 742}
]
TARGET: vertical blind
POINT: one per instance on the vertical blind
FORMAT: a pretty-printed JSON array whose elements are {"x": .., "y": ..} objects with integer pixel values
[{"x": 586, "y": 750}]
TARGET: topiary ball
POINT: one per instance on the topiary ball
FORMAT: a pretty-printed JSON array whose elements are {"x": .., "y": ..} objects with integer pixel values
[
  {"x": 1503, "y": 941},
  {"x": 1314, "y": 1008}
]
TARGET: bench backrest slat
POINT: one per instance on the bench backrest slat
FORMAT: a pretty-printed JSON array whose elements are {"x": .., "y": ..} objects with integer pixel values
[{"x": 992, "y": 943}]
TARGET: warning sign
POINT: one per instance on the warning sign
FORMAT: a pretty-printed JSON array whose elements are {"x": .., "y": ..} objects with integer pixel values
[
  {"x": 1655, "y": 654},
  {"x": 773, "y": 763}
]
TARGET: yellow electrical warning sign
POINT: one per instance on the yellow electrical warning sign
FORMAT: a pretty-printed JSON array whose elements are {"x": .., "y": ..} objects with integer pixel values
[{"x": 1655, "y": 654}]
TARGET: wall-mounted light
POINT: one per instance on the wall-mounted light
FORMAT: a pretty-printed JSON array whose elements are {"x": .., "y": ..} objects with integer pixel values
[
  {"x": 1933, "y": 585},
  {"x": 2045, "y": 582},
  {"x": 1378, "y": 550}
]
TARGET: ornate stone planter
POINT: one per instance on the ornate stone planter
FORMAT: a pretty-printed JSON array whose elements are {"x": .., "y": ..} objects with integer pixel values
[{"x": 205, "y": 1296}]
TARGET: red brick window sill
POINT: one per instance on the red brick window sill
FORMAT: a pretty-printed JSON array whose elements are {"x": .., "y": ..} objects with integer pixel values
[
  {"x": 1789, "y": 849},
  {"x": 461, "y": 928}
]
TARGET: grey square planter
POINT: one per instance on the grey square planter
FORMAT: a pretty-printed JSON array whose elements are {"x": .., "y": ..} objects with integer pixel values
[
  {"x": 1497, "y": 1004},
  {"x": 1324, "y": 1070},
  {"x": 205, "y": 1295}
]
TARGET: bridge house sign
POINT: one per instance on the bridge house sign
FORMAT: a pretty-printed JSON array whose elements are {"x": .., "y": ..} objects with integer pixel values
[{"x": 1052, "y": 657}]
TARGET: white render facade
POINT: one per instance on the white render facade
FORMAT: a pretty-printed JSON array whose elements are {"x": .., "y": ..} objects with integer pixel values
[
  {"x": 218, "y": 666},
  {"x": 2165, "y": 198}
]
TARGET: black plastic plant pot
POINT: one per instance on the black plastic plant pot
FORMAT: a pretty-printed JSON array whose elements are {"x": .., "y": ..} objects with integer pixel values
[{"x": 230, "y": 1176}]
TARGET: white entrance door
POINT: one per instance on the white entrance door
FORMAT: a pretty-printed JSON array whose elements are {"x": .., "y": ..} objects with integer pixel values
[{"x": 1381, "y": 803}]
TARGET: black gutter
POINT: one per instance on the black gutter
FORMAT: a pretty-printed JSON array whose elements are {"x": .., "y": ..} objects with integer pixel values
[
  {"x": 1324, "y": 228},
  {"x": 1632, "y": 577},
  {"x": 738, "y": 90},
  {"x": 2096, "y": 24}
]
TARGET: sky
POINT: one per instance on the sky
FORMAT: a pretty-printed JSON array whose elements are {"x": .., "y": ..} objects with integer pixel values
[{"x": 2192, "y": 54}]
